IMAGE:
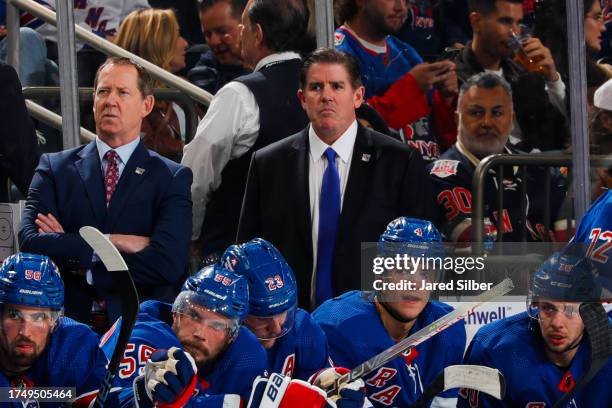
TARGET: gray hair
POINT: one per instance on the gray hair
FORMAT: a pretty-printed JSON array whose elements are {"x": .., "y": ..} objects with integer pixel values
[{"x": 486, "y": 80}]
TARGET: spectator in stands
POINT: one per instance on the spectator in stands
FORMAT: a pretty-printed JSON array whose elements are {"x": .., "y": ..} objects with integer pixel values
[
  {"x": 34, "y": 67},
  {"x": 102, "y": 17},
  {"x": 222, "y": 62},
  {"x": 114, "y": 183},
  {"x": 247, "y": 114},
  {"x": 551, "y": 28},
  {"x": 413, "y": 97},
  {"x": 316, "y": 214},
  {"x": 601, "y": 136},
  {"x": 485, "y": 116},
  {"x": 18, "y": 142},
  {"x": 154, "y": 35},
  {"x": 539, "y": 97}
]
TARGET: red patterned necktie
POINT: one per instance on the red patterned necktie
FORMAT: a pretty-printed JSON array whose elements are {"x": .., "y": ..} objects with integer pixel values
[{"x": 112, "y": 174}]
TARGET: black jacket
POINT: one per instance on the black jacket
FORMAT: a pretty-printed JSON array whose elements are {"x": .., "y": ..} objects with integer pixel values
[
  {"x": 386, "y": 180},
  {"x": 542, "y": 125}
]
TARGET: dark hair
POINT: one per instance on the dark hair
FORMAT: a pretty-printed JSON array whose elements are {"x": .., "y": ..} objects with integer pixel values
[
  {"x": 237, "y": 6},
  {"x": 485, "y": 7},
  {"x": 485, "y": 80},
  {"x": 332, "y": 56},
  {"x": 145, "y": 81},
  {"x": 551, "y": 28},
  {"x": 284, "y": 23},
  {"x": 345, "y": 10}
]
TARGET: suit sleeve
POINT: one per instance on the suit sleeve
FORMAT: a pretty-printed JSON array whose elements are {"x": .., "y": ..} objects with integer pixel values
[
  {"x": 249, "y": 225},
  {"x": 417, "y": 190},
  {"x": 165, "y": 258},
  {"x": 19, "y": 151},
  {"x": 67, "y": 249}
]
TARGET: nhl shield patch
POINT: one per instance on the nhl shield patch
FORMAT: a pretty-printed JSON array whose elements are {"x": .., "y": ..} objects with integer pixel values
[
  {"x": 338, "y": 38},
  {"x": 445, "y": 168}
]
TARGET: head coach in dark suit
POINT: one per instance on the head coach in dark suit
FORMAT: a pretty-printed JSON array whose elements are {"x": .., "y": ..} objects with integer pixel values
[
  {"x": 317, "y": 215},
  {"x": 114, "y": 183}
]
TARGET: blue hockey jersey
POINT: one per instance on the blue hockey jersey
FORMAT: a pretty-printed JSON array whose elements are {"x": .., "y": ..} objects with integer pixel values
[
  {"x": 595, "y": 229},
  {"x": 72, "y": 359},
  {"x": 355, "y": 333},
  {"x": 380, "y": 68},
  {"x": 232, "y": 373},
  {"x": 532, "y": 381},
  {"x": 302, "y": 351}
]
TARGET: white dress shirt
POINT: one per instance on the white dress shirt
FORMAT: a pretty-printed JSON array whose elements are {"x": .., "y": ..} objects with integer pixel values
[
  {"x": 229, "y": 129},
  {"x": 124, "y": 152},
  {"x": 317, "y": 164}
]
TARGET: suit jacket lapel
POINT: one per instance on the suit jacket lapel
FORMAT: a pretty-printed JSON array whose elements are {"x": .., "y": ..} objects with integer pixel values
[
  {"x": 299, "y": 154},
  {"x": 358, "y": 182},
  {"x": 128, "y": 183},
  {"x": 90, "y": 170}
]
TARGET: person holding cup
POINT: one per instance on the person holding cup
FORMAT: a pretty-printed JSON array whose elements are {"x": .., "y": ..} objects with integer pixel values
[{"x": 539, "y": 97}]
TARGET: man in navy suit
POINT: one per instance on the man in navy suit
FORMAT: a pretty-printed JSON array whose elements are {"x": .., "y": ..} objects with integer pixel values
[{"x": 139, "y": 198}]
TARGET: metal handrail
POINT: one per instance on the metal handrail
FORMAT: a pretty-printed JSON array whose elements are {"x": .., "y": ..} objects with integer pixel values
[
  {"x": 110, "y": 48},
  {"x": 191, "y": 113},
  {"x": 481, "y": 171},
  {"x": 54, "y": 120}
]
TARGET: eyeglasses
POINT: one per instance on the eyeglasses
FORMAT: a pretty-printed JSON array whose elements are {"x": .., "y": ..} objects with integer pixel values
[
  {"x": 548, "y": 310},
  {"x": 217, "y": 325},
  {"x": 39, "y": 320}
]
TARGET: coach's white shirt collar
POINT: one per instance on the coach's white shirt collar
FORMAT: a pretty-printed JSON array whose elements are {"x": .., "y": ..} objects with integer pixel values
[{"x": 343, "y": 145}]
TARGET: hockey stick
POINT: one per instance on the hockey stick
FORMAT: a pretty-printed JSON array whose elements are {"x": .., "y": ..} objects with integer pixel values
[
  {"x": 598, "y": 328},
  {"x": 114, "y": 263},
  {"x": 419, "y": 337},
  {"x": 475, "y": 377}
]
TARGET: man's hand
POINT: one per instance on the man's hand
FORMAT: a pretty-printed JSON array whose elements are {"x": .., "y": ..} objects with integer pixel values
[
  {"x": 427, "y": 75},
  {"x": 542, "y": 56},
  {"x": 129, "y": 244},
  {"x": 48, "y": 223},
  {"x": 169, "y": 379},
  {"x": 448, "y": 84}
]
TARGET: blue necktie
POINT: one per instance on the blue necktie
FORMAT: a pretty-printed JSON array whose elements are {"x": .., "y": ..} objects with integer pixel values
[{"x": 329, "y": 213}]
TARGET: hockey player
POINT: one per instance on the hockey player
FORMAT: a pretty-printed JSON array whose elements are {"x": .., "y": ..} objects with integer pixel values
[
  {"x": 197, "y": 343},
  {"x": 542, "y": 353},
  {"x": 485, "y": 116},
  {"x": 296, "y": 345},
  {"x": 38, "y": 346},
  {"x": 360, "y": 325},
  {"x": 595, "y": 229}
]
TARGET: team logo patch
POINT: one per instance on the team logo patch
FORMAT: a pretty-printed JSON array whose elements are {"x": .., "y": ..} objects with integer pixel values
[
  {"x": 445, "y": 168},
  {"x": 338, "y": 39},
  {"x": 419, "y": 232}
]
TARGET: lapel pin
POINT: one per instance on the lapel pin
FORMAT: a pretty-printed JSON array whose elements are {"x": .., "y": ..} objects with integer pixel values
[
  {"x": 365, "y": 157},
  {"x": 140, "y": 171}
]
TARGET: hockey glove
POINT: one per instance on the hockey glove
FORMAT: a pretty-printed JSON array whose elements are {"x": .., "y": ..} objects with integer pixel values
[
  {"x": 281, "y": 392},
  {"x": 351, "y": 395},
  {"x": 170, "y": 377}
]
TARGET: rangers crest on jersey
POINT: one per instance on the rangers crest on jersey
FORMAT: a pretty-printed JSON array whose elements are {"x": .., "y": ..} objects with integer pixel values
[
  {"x": 445, "y": 168},
  {"x": 338, "y": 38}
]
